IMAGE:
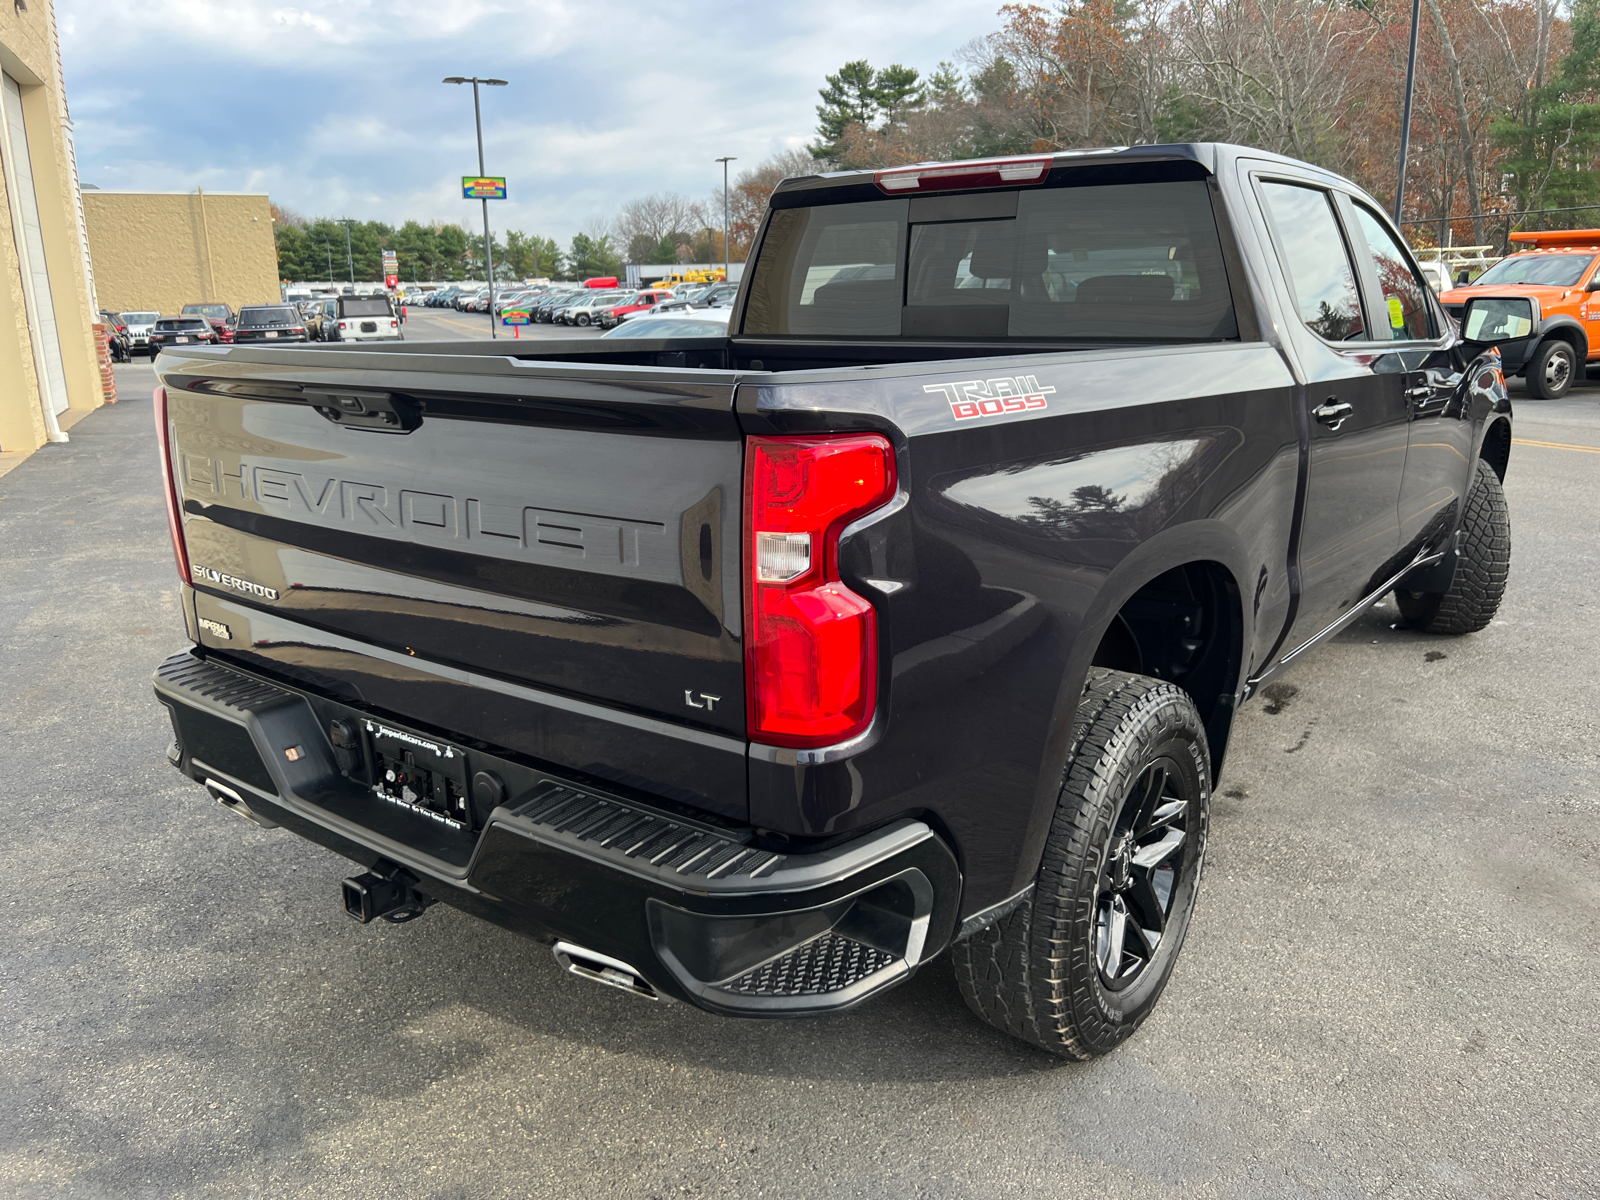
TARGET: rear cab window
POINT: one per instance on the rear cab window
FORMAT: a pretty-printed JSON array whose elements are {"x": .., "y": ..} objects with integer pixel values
[
  {"x": 1315, "y": 259},
  {"x": 1070, "y": 261},
  {"x": 365, "y": 307},
  {"x": 254, "y": 317}
]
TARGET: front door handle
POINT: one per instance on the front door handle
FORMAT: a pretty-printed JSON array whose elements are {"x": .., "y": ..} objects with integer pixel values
[{"x": 1334, "y": 413}]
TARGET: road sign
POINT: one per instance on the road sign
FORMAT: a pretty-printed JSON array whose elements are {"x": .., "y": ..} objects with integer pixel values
[
  {"x": 516, "y": 316},
  {"x": 483, "y": 187},
  {"x": 391, "y": 281}
]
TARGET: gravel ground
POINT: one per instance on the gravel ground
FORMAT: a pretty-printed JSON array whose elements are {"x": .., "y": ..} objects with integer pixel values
[{"x": 1389, "y": 988}]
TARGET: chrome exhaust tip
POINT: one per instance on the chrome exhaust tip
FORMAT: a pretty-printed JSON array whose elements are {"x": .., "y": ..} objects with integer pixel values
[
  {"x": 601, "y": 968},
  {"x": 235, "y": 803}
]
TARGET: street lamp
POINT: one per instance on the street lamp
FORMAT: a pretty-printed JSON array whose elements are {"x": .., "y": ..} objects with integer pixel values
[
  {"x": 349, "y": 253},
  {"x": 477, "y": 120},
  {"x": 1405, "y": 121},
  {"x": 727, "y": 263}
]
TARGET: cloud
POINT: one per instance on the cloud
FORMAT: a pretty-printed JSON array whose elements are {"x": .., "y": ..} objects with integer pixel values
[{"x": 335, "y": 108}]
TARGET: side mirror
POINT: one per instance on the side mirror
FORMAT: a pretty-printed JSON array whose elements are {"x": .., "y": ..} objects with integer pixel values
[
  {"x": 1463, "y": 277},
  {"x": 1491, "y": 320}
]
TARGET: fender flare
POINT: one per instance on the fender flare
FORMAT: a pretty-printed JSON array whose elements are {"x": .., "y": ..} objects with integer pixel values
[
  {"x": 1203, "y": 540},
  {"x": 1568, "y": 325}
]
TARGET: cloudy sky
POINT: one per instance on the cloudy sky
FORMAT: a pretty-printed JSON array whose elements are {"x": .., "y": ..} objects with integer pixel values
[{"x": 336, "y": 109}]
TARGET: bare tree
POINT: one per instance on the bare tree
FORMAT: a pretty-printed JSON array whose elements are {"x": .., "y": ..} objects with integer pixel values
[{"x": 1272, "y": 73}]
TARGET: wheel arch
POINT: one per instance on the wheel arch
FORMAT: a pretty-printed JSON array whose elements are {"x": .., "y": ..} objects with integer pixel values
[
  {"x": 1563, "y": 328},
  {"x": 1495, "y": 448},
  {"x": 1210, "y": 557}
]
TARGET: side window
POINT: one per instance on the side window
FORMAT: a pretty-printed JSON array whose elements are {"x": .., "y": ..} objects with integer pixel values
[
  {"x": 1315, "y": 260},
  {"x": 1405, "y": 297}
]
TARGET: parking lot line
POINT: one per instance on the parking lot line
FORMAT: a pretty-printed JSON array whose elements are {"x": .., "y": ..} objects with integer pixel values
[{"x": 1555, "y": 445}]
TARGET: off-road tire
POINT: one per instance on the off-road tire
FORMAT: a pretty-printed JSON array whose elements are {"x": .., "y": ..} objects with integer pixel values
[
  {"x": 1035, "y": 973},
  {"x": 1544, "y": 375},
  {"x": 1481, "y": 570}
]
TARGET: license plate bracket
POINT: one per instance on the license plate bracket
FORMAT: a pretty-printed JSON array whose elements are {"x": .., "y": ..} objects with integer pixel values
[{"x": 419, "y": 772}]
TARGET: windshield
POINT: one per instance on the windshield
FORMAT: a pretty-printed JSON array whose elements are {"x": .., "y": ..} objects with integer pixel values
[
  {"x": 372, "y": 307},
  {"x": 131, "y": 318},
  {"x": 183, "y": 325},
  {"x": 267, "y": 316},
  {"x": 1552, "y": 270},
  {"x": 663, "y": 327},
  {"x": 1127, "y": 261},
  {"x": 219, "y": 311}
]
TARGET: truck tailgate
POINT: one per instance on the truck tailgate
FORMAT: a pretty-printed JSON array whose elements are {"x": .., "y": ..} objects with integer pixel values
[{"x": 570, "y": 533}]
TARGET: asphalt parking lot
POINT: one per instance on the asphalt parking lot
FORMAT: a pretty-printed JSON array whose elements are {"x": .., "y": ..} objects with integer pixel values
[{"x": 1389, "y": 988}]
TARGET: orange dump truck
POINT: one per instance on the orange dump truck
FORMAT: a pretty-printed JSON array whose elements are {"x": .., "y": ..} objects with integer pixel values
[{"x": 1560, "y": 271}]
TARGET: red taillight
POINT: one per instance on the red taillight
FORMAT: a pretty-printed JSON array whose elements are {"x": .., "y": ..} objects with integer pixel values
[
  {"x": 169, "y": 482},
  {"x": 979, "y": 173},
  {"x": 392, "y": 325},
  {"x": 811, "y": 644},
  {"x": 343, "y": 325}
]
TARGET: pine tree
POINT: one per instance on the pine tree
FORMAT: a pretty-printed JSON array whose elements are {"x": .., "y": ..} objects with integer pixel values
[{"x": 850, "y": 98}]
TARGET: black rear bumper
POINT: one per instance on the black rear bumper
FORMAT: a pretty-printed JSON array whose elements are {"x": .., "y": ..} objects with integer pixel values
[{"x": 702, "y": 911}]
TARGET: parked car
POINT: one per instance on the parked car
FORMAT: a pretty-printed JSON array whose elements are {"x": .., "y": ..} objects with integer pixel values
[
  {"x": 193, "y": 330},
  {"x": 914, "y": 623},
  {"x": 220, "y": 316},
  {"x": 614, "y": 314},
  {"x": 116, "y": 335},
  {"x": 139, "y": 326},
  {"x": 270, "y": 323},
  {"x": 674, "y": 325},
  {"x": 544, "y": 312},
  {"x": 317, "y": 317},
  {"x": 512, "y": 299},
  {"x": 362, "y": 319},
  {"x": 583, "y": 311},
  {"x": 1561, "y": 271}
]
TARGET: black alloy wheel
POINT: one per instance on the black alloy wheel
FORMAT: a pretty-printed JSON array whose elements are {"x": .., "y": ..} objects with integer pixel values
[
  {"x": 1143, "y": 871},
  {"x": 1081, "y": 960}
]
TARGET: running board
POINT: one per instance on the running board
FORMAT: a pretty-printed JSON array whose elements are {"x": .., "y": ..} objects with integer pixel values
[{"x": 1423, "y": 559}]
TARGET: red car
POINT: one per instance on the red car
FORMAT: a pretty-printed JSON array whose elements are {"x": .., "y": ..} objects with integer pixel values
[
  {"x": 641, "y": 302},
  {"x": 220, "y": 316}
]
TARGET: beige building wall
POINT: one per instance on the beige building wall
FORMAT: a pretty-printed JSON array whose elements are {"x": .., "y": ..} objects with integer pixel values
[
  {"x": 157, "y": 251},
  {"x": 29, "y": 54}
]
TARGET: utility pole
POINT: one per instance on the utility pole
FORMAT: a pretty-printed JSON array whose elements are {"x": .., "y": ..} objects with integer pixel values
[
  {"x": 488, "y": 245},
  {"x": 1405, "y": 121},
  {"x": 727, "y": 261}
]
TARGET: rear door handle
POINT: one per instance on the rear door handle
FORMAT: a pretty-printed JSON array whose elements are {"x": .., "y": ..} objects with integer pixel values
[{"x": 1334, "y": 413}]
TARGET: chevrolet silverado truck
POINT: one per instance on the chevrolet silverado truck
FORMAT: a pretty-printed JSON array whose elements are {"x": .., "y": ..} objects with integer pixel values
[{"x": 908, "y": 619}]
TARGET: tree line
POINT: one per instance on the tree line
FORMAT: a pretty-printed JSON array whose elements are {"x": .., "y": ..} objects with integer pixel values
[
  {"x": 1506, "y": 122},
  {"x": 1506, "y": 112}
]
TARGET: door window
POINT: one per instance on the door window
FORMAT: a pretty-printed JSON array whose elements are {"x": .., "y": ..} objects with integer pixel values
[
  {"x": 1314, "y": 258},
  {"x": 1406, "y": 313}
]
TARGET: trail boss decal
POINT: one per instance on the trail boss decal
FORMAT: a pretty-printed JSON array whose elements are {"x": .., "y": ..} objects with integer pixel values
[{"x": 975, "y": 398}]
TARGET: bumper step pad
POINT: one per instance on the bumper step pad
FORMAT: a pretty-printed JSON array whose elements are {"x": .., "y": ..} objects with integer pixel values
[
  {"x": 826, "y": 964},
  {"x": 645, "y": 837}
]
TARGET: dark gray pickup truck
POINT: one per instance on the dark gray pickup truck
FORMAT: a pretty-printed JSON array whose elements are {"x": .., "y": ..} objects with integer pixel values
[{"x": 910, "y": 618}]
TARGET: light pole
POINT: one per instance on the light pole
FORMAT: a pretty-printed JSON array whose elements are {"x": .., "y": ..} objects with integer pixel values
[
  {"x": 349, "y": 253},
  {"x": 727, "y": 262},
  {"x": 477, "y": 120},
  {"x": 1405, "y": 121}
]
